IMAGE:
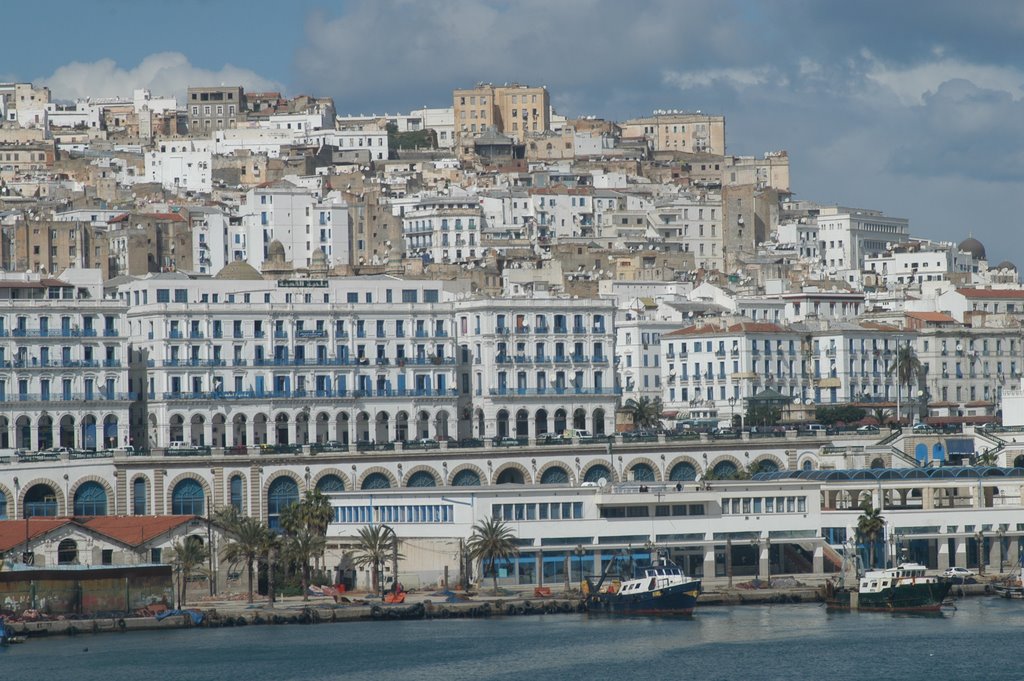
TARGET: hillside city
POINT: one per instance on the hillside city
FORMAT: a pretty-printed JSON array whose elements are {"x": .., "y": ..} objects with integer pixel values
[{"x": 444, "y": 297}]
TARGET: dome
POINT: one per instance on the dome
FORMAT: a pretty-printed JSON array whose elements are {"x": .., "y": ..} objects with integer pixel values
[
  {"x": 974, "y": 247},
  {"x": 275, "y": 251},
  {"x": 239, "y": 270},
  {"x": 1006, "y": 265},
  {"x": 319, "y": 258}
]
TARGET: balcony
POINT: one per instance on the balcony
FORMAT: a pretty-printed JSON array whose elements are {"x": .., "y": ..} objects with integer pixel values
[
  {"x": 560, "y": 329},
  {"x": 579, "y": 329},
  {"x": 94, "y": 396}
]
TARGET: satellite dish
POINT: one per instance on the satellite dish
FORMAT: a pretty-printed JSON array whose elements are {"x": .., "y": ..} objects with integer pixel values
[
  {"x": 808, "y": 401},
  {"x": 796, "y": 400},
  {"x": 602, "y": 482}
]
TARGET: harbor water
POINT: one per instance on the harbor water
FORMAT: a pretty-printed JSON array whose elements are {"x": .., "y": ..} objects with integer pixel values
[{"x": 979, "y": 640}]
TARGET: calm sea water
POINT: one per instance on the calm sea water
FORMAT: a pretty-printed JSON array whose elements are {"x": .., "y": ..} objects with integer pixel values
[{"x": 981, "y": 640}]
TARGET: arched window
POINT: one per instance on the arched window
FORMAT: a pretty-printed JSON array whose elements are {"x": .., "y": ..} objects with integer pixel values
[
  {"x": 422, "y": 479},
  {"x": 767, "y": 466},
  {"x": 283, "y": 493},
  {"x": 554, "y": 476},
  {"x": 376, "y": 481},
  {"x": 236, "y": 492},
  {"x": 921, "y": 452},
  {"x": 188, "y": 498},
  {"x": 643, "y": 473},
  {"x": 595, "y": 473},
  {"x": 3, "y": 506},
  {"x": 139, "y": 496},
  {"x": 682, "y": 472},
  {"x": 90, "y": 499},
  {"x": 67, "y": 552},
  {"x": 40, "y": 500},
  {"x": 466, "y": 478},
  {"x": 510, "y": 476},
  {"x": 724, "y": 470},
  {"x": 330, "y": 483}
]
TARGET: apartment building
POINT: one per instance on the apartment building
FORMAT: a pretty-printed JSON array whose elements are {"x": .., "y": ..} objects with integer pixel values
[
  {"x": 539, "y": 366},
  {"x": 214, "y": 108},
  {"x": 243, "y": 361},
  {"x": 512, "y": 110},
  {"x": 63, "y": 363},
  {"x": 679, "y": 131}
]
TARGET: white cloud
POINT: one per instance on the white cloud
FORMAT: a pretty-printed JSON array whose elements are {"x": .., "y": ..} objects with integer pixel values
[
  {"x": 911, "y": 84},
  {"x": 736, "y": 78},
  {"x": 164, "y": 73}
]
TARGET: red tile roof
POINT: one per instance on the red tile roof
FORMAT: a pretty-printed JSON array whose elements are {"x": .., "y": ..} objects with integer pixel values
[
  {"x": 134, "y": 530},
  {"x": 129, "y": 530},
  {"x": 12, "y": 532},
  {"x": 1012, "y": 294},
  {"x": 940, "y": 317}
]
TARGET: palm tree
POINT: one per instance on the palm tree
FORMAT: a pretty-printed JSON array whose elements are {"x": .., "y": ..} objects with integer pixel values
[
  {"x": 301, "y": 547},
  {"x": 646, "y": 412},
  {"x": 492, "y": 540},
  {"x": 870, "y": 525},
  {"x": 187, "y": 558},
  {"x": 881, "y": 415},
  {"x": 377, "y": 543},
  {"x": 271, "y": 547},
  {"x": 907, "y": 368},
  {"x": 249, "y": 539},
  {"x": 313, "y": 511}
]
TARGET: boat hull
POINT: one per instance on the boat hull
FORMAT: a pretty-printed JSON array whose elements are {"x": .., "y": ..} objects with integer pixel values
[
  {"x": 904, "y": 598},
  {"x": 680, "y": 599}
]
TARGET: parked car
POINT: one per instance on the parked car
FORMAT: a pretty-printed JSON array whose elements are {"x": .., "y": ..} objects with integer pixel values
[
  {"x": 867, "y": 430},
  {"x": 922, "y": 428},
  {"x": 958, "y": 573}
]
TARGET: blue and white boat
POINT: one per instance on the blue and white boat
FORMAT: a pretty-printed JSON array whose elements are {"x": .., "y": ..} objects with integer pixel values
[{"x": 658, "y": 589}]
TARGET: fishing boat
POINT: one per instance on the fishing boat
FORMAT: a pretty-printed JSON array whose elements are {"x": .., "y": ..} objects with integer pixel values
[
  {"x": 904, "y": 588},
  {"x": 657, "y": 589}
]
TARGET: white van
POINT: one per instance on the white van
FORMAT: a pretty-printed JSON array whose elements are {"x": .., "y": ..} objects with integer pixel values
[
  {"x": 178, "y": 444},
  {"x": 577, "y": 434}
]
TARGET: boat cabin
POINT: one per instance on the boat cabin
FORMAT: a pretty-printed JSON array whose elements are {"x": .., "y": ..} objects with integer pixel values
[{"x": 875, "y": 581}]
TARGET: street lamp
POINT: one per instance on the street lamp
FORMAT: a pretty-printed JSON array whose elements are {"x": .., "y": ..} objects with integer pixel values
[
  {"x": 980, "y": 537},
  {"x": 732, "y": 411},
  {"x": 579, "y": 551}
]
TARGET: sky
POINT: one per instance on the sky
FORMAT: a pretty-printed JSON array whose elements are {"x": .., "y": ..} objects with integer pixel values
[{"x": 912, "y": 108}]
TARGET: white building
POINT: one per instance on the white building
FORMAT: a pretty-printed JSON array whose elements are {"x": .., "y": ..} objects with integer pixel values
[
  {"x": 541, "y": 365},
  {"x": 63, "y": 363},
  {"x": 181, "y": 166},
  {"x": 299, "y": 219},
  {"x": 849, "y": 235},
  {"x": 446, "y": 229}
]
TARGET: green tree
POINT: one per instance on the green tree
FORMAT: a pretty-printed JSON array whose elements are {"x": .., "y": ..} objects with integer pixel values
[
  {"x": 377, "y": 544},
  {"x": 248, "y": 539},
  {"x": 760, "y": 414},
  {"x": 305, "y": 533},
  {"x": 188, "y": 557},
  {"x": 870, "y": 526},
  {"x": 646, "y": 412},
  {"x": 907, "y": 369},
  {"x": 300, "y": 548},
  {"x": 492, "y": 540}
]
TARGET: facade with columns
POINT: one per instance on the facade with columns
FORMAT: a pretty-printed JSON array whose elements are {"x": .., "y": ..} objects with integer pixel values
[
  {"x": 540, "y": 366},
  {"x": 232, "y": 363},
  {"x": 372, "y": 360},
  {"x": 63, "y": 363},
  {"x": 792, "y": 518}
]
